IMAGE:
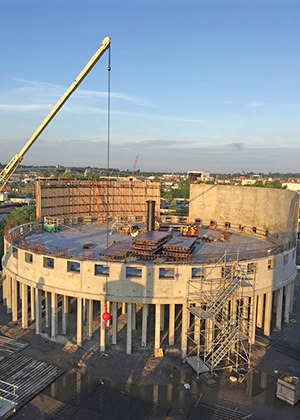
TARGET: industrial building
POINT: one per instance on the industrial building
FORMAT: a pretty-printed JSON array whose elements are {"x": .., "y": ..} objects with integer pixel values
[{"x": 206, "y": 283}]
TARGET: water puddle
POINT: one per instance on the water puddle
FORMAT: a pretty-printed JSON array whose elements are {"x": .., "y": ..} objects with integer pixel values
[{"x": 81, "y": 392}]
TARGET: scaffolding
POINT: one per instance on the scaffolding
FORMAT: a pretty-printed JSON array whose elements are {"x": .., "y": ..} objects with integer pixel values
[
  {"x": 220, "y": 301},
  {"x": 117, "y": 200}
]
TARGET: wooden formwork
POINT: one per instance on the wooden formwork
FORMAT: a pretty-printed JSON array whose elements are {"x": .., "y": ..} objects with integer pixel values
[{"x": 113, "y": 199}]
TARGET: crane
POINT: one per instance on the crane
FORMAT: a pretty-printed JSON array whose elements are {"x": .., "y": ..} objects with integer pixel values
[
  {"x": 10, "y": 168},
  {"x": 134, "y": 165}
]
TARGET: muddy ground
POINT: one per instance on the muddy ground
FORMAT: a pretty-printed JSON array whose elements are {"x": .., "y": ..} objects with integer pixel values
[{"x": 276, "y": 355}]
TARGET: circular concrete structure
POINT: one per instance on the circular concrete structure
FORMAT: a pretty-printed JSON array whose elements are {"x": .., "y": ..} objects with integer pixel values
[{"x": 231, "y": 278}]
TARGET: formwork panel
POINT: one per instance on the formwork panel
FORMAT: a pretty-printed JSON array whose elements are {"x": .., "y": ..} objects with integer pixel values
[{"x": 108, "y": 198}]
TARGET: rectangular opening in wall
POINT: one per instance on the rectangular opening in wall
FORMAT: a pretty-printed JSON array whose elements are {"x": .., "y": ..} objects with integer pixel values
[
  {"x": 227, "y": 225},
  {"x": 133, "y": 272},
  {"x": 15, "y": 252},
  {"x": 166, "y": 273},
  {"x": 197, "y": 273},
  {"x": 73, "y": 267},
  {"x": 198, "y": 221},
  {"x": 254, "y": 229},
  {"x": 48, "y": 262},
  {"x": 101, "y": 270},
  {"x": 251, "y": 268},
  {"x": 28, "y": 258},
  {"x": 271, "y": 264},
  {"x": 285, "y": 259}
]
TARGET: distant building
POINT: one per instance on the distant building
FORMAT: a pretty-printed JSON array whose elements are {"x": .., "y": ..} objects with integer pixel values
[
  {"x": 198, "y": 176},
  {"x": 293, "y": 186}
]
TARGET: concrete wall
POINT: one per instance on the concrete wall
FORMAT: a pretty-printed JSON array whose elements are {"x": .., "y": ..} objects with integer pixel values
[
  {"x": 270, "y": 209},
  {"x": 271, "y": 273}
]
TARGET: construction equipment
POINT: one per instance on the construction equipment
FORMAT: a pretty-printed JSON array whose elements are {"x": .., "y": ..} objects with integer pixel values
[
  {"x": 134, "y": 166},
  {"x": 10, "y": 168}
]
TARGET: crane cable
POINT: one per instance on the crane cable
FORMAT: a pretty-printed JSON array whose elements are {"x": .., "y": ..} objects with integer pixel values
[
  {"x": 108, "y": 141},
  {"x": 105, "y": 315}
]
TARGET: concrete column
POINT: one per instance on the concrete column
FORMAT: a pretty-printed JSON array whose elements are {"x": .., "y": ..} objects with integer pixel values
[
  {"x": 14, "y": 299},
  {"x": 253, "y": 316},
  {"x": 114, "y": 322},
  {"x": 79, "y": 321},
  {"x": 8, "y": 294},
  {"x": 129, "y": 328},
  {"x": 102, "y": 327},
  {"x": 24, "y": 292},
  {"x": 157, "y": 326},
  {"x": 171, "y": 324},
  {"x": 162, "y": 317},
  {"x": 243, "y": 314},
  {"x": 123, "y": 308},
  {"x": 133, "y": 316},
  {"x": 89, "y": 320},
  {"x": 292, "y": 296},
  {"x": 65, "y": 310},
  {"x": 32, "y": 303},
  {"x": 184, "y": 325},
  {"x": 268, "y": 314},
  {"x": 4, "y": 293},
  {"x": 108, "y": 310},
  {"x": 1, "y": 292},
  {"x": 232, "y": 310},
  {"x": 54, "y": 298},
  {"x": 84, "y": 305},
  {"x": 144, "y": 324},
  {"x": 279, "y": 299},
  {"x": 287, "y": 303},
  {"x": 47, "y": 308},
  {"x": 260, "y": 311},
  {"x": 196, "y": 330},
  {"x": 209, "y": 334},
  {"x": 38, "y": 312}
]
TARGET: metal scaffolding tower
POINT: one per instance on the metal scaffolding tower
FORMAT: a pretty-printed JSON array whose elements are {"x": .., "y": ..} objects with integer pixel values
[{"x": 220, "y": 300}]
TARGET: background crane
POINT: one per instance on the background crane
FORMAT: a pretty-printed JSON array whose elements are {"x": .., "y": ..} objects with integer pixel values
[{"x": 134, "y": 165}]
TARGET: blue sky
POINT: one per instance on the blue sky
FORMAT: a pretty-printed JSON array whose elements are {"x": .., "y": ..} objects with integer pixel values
[{"x": 195, "y": 85}]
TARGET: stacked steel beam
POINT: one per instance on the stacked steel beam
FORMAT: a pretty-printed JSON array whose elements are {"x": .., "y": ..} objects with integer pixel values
[
  {"x": 117, "y": 250},
  {"x": 149, "y": 244},
  {"x": 179, "y": 248}
]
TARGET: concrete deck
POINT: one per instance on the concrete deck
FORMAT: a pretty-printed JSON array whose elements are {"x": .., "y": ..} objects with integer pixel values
[{"x": 97, "y": 238}]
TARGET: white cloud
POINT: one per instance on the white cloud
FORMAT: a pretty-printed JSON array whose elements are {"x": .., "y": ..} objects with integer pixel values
[
  {"x": 25, "y": 107},
  {"x": 256, "y": 104}
]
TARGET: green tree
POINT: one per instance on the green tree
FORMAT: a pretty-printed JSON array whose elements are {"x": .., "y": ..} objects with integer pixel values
[
  {"x": 17, "y": 217},
  {"x": 182, "y": 191}
]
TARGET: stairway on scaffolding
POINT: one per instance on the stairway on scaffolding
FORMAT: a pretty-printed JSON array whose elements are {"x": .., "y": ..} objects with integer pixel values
[{"x": 225, "y": 333}]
